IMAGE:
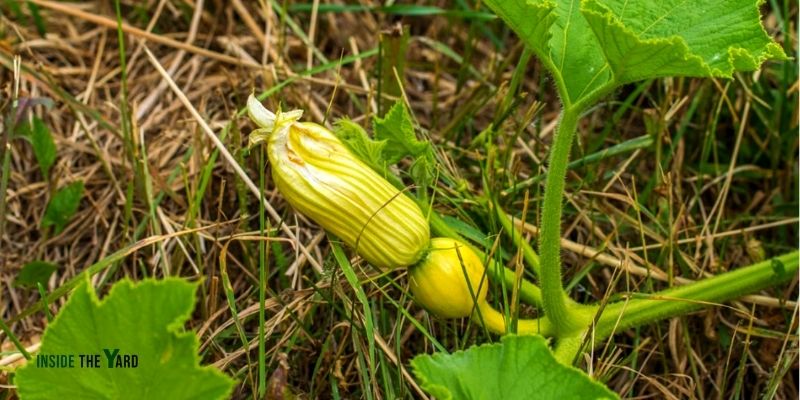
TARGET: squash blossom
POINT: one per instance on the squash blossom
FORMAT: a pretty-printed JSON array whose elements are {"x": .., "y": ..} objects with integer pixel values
[
  {"x": 449, "y": 282},
  {"x": 323, "y": 180}
]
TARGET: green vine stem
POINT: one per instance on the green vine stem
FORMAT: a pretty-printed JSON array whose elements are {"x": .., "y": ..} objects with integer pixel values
[
  {"x": 495, "y": 322},
  {"x": 530, "y": 256},
  {"x": 681, "y": 300},
  {"x": 554, "y": 298},
  {"x": 515, "y": 234},
  {"x": 567, "y": 349}
]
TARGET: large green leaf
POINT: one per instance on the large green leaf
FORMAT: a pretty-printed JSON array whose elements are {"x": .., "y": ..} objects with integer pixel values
[
  {"x": 646, "y": 39},
  {"x": 519, "y": 367},
  {"x": 561, "y": 38},
  {"x": 143, "y": 319},
  {"x": 593, "y": 44},
  {"x": 530, "y": 20}
]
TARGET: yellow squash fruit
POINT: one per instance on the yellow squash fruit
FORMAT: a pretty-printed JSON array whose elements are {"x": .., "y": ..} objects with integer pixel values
[
  {"x": 323, "y": 180},
  {"x": 450, "y": 283},
  {"x": 450, "y": 280}
]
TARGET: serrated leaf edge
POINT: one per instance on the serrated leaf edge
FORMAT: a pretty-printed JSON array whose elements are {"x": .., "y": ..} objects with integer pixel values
[
  {"x": 173, "y": 327},
  {"x": 771, "y": 51},
  {"x": 440, "y": 389}
]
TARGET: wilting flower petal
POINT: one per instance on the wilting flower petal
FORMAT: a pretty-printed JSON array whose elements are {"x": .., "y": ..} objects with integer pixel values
[{"x": 322, "y": 179}]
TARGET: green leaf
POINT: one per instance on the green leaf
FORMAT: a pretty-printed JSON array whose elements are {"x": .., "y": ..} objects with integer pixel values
[
  {"x": 596, "y": 44},
  {"x": 519, "y": 367},
  {"x": 561, "y": 38},
  {"x": 378, "y": 154},
  {"x": 643, "y": 40},
  {"x": 423, "y": 170},
  {"x": 35, "y": 272},
  {"x": 397, "y": 130},
  {"x": 62, "y": 206},
  {"x": 356, "y": 139},
  {"x": 143, "y": 320},
  {"x": 44, "y": 148}
]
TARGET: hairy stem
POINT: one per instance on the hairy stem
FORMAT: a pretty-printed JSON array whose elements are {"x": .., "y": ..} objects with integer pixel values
[
  {"x": 567, "y": 349},
  {"x": 528, "y": 254},
  {"x": 682, "y": 300},
  {"x": 553, "y": 295},
  {"x": 495, "y": 322}
]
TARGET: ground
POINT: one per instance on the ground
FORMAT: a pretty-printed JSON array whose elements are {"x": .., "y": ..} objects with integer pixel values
[{"x": 707, "y": 182}]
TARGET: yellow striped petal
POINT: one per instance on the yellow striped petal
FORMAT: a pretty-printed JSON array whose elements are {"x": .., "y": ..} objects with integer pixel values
[{"x": 322, "y": 179}]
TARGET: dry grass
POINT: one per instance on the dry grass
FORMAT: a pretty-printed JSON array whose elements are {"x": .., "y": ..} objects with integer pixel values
[{"x": 704, "y": 210}]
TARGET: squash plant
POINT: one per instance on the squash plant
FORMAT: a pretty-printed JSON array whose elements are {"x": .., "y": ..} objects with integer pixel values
[{"x": 590, "y": 48}]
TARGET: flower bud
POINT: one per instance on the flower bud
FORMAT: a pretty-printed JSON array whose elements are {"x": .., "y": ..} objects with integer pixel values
[
  {"x": 323, "y": 180},
  {"x": 450, "y": 280}
]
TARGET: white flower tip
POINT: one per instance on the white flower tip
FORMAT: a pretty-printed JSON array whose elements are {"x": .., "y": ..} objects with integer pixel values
[{"x": 259, "y": 114}]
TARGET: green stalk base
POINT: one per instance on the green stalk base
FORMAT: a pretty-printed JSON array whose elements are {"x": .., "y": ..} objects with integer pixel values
[
  {"x": 681, "y": 300},
  {"x": 555, "y": 302}
]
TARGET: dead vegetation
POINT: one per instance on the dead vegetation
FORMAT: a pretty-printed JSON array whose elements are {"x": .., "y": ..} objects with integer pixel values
[{"x": 718, "y": 189}]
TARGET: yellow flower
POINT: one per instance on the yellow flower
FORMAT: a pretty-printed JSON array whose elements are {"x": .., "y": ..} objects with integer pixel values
[
  {"x": 322, "y": 179},
  {"x": 450, "y": 280}
]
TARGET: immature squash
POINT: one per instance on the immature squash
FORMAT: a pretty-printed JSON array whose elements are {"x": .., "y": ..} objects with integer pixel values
[
  {"x": 450, "y": 281},
  {"x": 322, "y": 179}
]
